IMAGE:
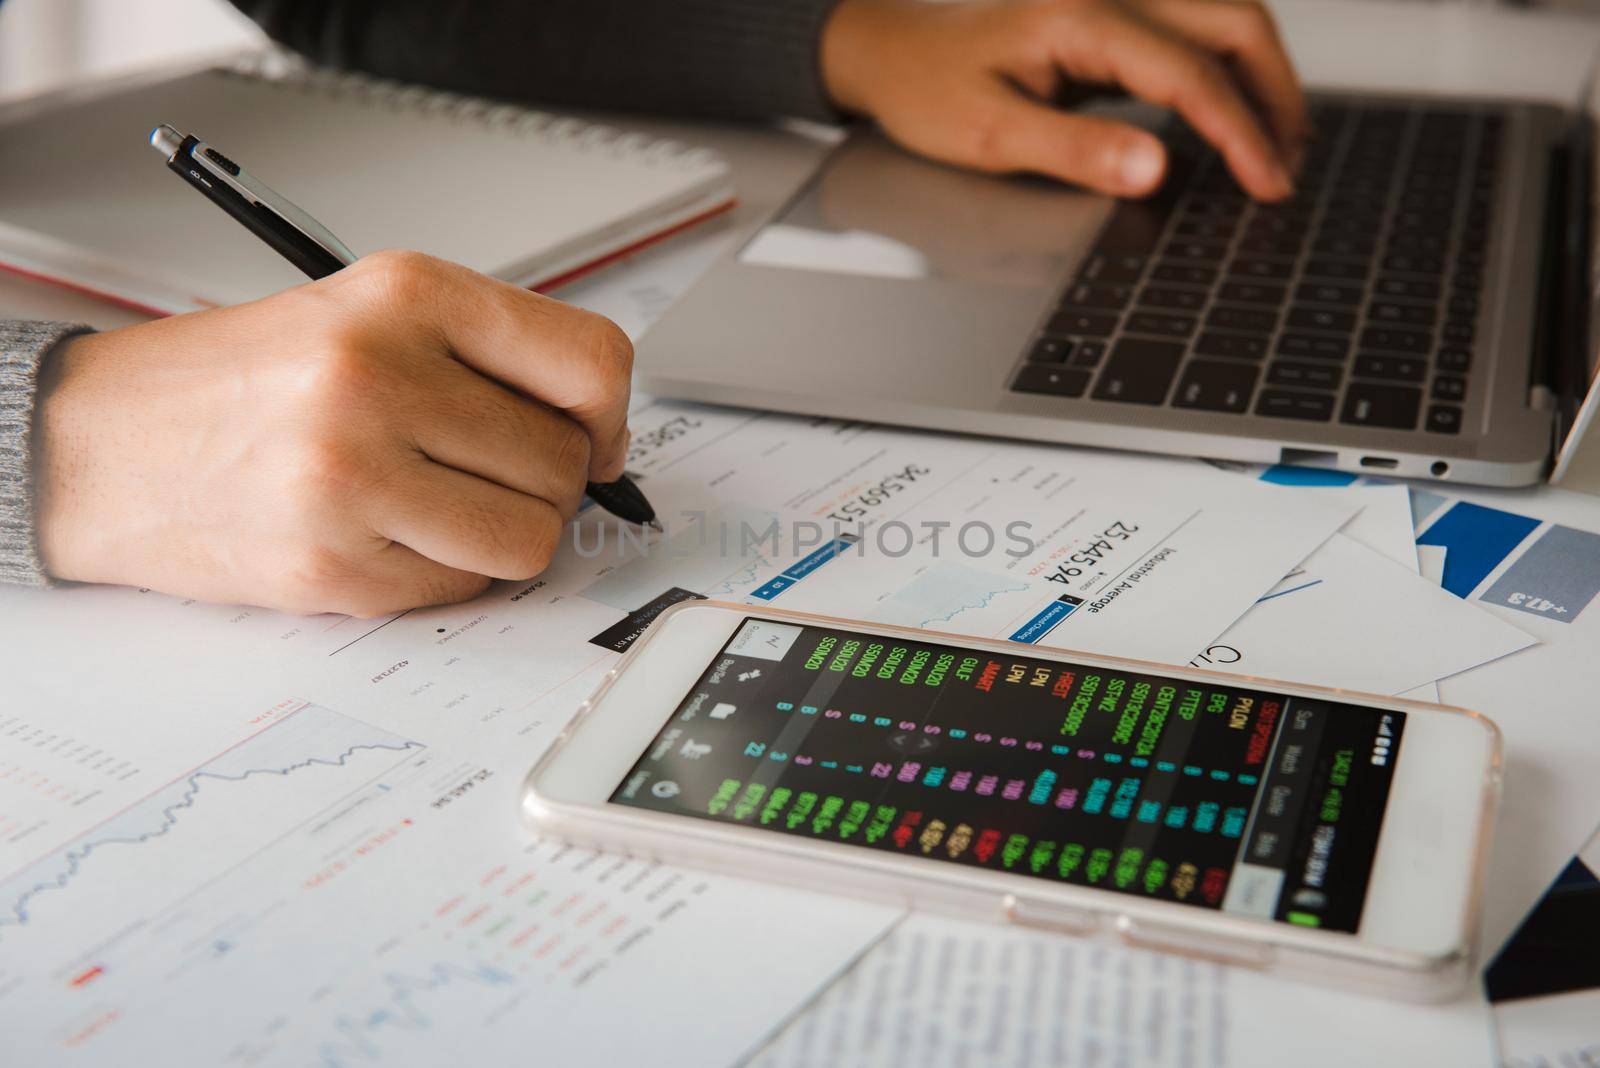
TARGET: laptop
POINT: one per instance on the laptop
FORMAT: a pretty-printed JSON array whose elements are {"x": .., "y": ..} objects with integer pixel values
[{"x": 1420, "y": 308}]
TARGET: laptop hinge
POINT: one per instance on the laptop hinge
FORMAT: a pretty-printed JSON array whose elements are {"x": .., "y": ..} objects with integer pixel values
[{"x": 1560, "y": 369}]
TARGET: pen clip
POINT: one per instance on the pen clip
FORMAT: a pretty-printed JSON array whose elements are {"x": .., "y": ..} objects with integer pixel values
[{"x": 223, "y": 171}]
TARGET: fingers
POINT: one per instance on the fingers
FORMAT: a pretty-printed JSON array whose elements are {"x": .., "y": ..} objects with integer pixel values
[
  {"x": 1161, "y": 68},
  {"x": 1108, "y": 156},
  {"x": 1110, "y": 43},
  {"x": 480, "y": 427},
  {"x": 397, "y": 578},
  {"x": 574, "y": 361},
  {"x": 465, "y": 522},
  {"x": 1244, "y": 32}
]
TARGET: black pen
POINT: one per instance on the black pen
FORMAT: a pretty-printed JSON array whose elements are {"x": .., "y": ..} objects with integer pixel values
[{"x": 311, "y": 247}]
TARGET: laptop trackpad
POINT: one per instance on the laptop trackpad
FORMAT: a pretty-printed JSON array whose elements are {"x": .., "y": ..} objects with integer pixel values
[{"x": 874, "y": 210}]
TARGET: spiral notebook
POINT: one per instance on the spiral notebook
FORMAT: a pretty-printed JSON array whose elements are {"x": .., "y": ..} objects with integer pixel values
[{"x": 528, "y": 197}]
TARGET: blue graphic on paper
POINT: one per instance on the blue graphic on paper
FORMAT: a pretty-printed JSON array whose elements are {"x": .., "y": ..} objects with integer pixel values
[{"x": 1555, "y": 578}]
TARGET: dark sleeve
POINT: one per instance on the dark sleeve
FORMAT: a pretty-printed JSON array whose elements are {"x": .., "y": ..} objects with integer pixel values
[{"x": 718, "y": 58}]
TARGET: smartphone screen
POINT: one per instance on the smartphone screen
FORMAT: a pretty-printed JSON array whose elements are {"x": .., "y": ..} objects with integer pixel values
[{"x": 1218, "y": 796}]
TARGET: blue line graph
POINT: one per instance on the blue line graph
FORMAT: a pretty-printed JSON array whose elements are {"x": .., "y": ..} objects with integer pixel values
[
  {"x": 738, "y": 580},
  {"x": 308, "y": 737},
  {"x": 1291, "y": 589},
  {"x": 401, "y": 1011},
  {"x": 942, "y": 593}
]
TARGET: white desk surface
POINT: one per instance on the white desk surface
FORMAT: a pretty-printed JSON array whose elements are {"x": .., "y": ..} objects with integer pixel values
[{"x": 1337, "y": 43}]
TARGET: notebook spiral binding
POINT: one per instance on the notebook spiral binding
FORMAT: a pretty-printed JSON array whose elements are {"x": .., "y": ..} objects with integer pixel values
[{"x": 293, "y": 72}]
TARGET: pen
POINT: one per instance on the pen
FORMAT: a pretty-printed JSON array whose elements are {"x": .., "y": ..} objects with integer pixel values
[{"x": 311, "y": 247}]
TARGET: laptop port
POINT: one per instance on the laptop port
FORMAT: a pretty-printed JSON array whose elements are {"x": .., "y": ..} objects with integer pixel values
[
  {"x": 1308, "y": 457},
  {"x": 1386, "y": 463}
]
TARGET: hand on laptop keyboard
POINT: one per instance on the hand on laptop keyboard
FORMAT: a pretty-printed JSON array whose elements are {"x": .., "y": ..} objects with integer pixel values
[
  {"x": 1355, "y": 301},
  {"x": 970, "y": 84}
]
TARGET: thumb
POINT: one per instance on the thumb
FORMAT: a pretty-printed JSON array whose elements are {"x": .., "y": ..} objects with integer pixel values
[{"x": 1101, "y": 154}]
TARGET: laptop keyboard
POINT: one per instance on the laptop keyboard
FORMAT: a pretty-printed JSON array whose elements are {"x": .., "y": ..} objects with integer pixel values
[{"x": 1355, "y": 302}]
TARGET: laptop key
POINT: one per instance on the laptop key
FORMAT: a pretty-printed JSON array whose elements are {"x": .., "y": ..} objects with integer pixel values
[
  {"x": 1327, "y": 293},
  {"x": 1213, "y": 386},
  {"x": 1407, "y": 289},
  {"x": 1302, "y": 318},
  {"x": 1149, "y": 322},
  {"x": 1139, "y": 371},
  {"x": 1073, "y": 321},
  {"x": 1407, "y": 263},
  {"x": 1449, "y": 388},
  {"x": 1453, "y": 359},
  {"x": 1257, "y": 269},
  {"x": 1205, "y": 229},
  {"x": 1045, "y": 378},
  {"x": 1286, "y": 404},
  {"x": 1458, "y": 332},
  {"x": 1050, "y": 350},
  {"x": 1407, "y": 341},
  {"x": 1338, "y": 270},
  {"x": 1180, "y": 299},
  {"x": 1112, "y": 297},
  {"x": 1443, "y": 419},
  {"x": 1135, "y": 226},
  {"x": 1252, "y": 293},
  {"x": 1392, "y": 314},
  {"x": 1312, "y": 346},
  {"x": 1418, "y": 244},
  {"x": 1374, "y": 405},
  {"x": 1344, "y": 245},
  {"x": 1089, "y": 354},
  {"x": 1238, "y": 346},
  {"x": 1304, "y": 375},
  {"x": 1251, "y": 320},
  {"x": 1393, "y": 368},
  {"x": 1263, "y": 245},
  {"x": 1183, "y": 274},
  {"x": 1195, "y": 251},
  {"x": 1119, "y": 270}
]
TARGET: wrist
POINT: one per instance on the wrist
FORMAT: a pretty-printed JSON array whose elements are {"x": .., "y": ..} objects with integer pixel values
[{"x": 64, "y": 482}]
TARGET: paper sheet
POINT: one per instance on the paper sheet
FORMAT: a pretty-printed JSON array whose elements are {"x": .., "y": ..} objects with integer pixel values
[
  {"x": 330, "y": 891},
  {"x": 1546, "y": 982},
  {"x": 184, "y": 847},
  {"x": 1383, "y": 523},
  {"x": 1552, "y": 794},
  {"x": 941, "y": 993},
  {"x": 1354, "y": 619},
  {"x": 1543, "y": 544}
]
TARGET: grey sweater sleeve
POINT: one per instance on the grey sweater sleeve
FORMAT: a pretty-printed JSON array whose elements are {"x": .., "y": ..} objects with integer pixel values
[
  {"x": 717, "y": 58},
  {"x": 23, "y": 346}
]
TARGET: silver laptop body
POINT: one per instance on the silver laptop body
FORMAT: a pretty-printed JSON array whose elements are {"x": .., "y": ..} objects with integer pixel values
[{"x": 894, "y": 290}]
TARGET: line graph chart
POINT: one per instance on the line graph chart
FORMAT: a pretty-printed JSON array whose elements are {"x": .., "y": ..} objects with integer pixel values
[
  {"x": 943, "y": 592},
  {"x": 309, "y": 738},
  {"x": 402, "y": 1009}
]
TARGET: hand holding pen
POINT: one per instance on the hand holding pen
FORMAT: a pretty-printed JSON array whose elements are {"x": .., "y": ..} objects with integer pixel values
[
  {"x": 314, "y": 250},
  {"x": 397, "y": 434}
]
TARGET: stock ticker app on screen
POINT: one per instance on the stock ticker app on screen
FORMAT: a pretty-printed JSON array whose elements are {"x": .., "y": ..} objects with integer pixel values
[{"x": 1217, "y": 796}]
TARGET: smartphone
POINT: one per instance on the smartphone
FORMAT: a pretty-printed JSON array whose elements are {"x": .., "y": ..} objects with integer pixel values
[{"x": 1327, "y": 835}]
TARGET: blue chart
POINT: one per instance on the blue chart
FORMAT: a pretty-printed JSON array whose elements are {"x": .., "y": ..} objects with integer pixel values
[
  {"x": 403, "y": 1008},
  {"x": 309, "y": 737},
  {"x": 1543, "y": 569},
  {"x": 943, "y": 592}
]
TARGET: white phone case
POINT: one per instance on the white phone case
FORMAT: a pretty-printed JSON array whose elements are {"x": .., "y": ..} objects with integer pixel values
[{"x": 1327, "y": 957}]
